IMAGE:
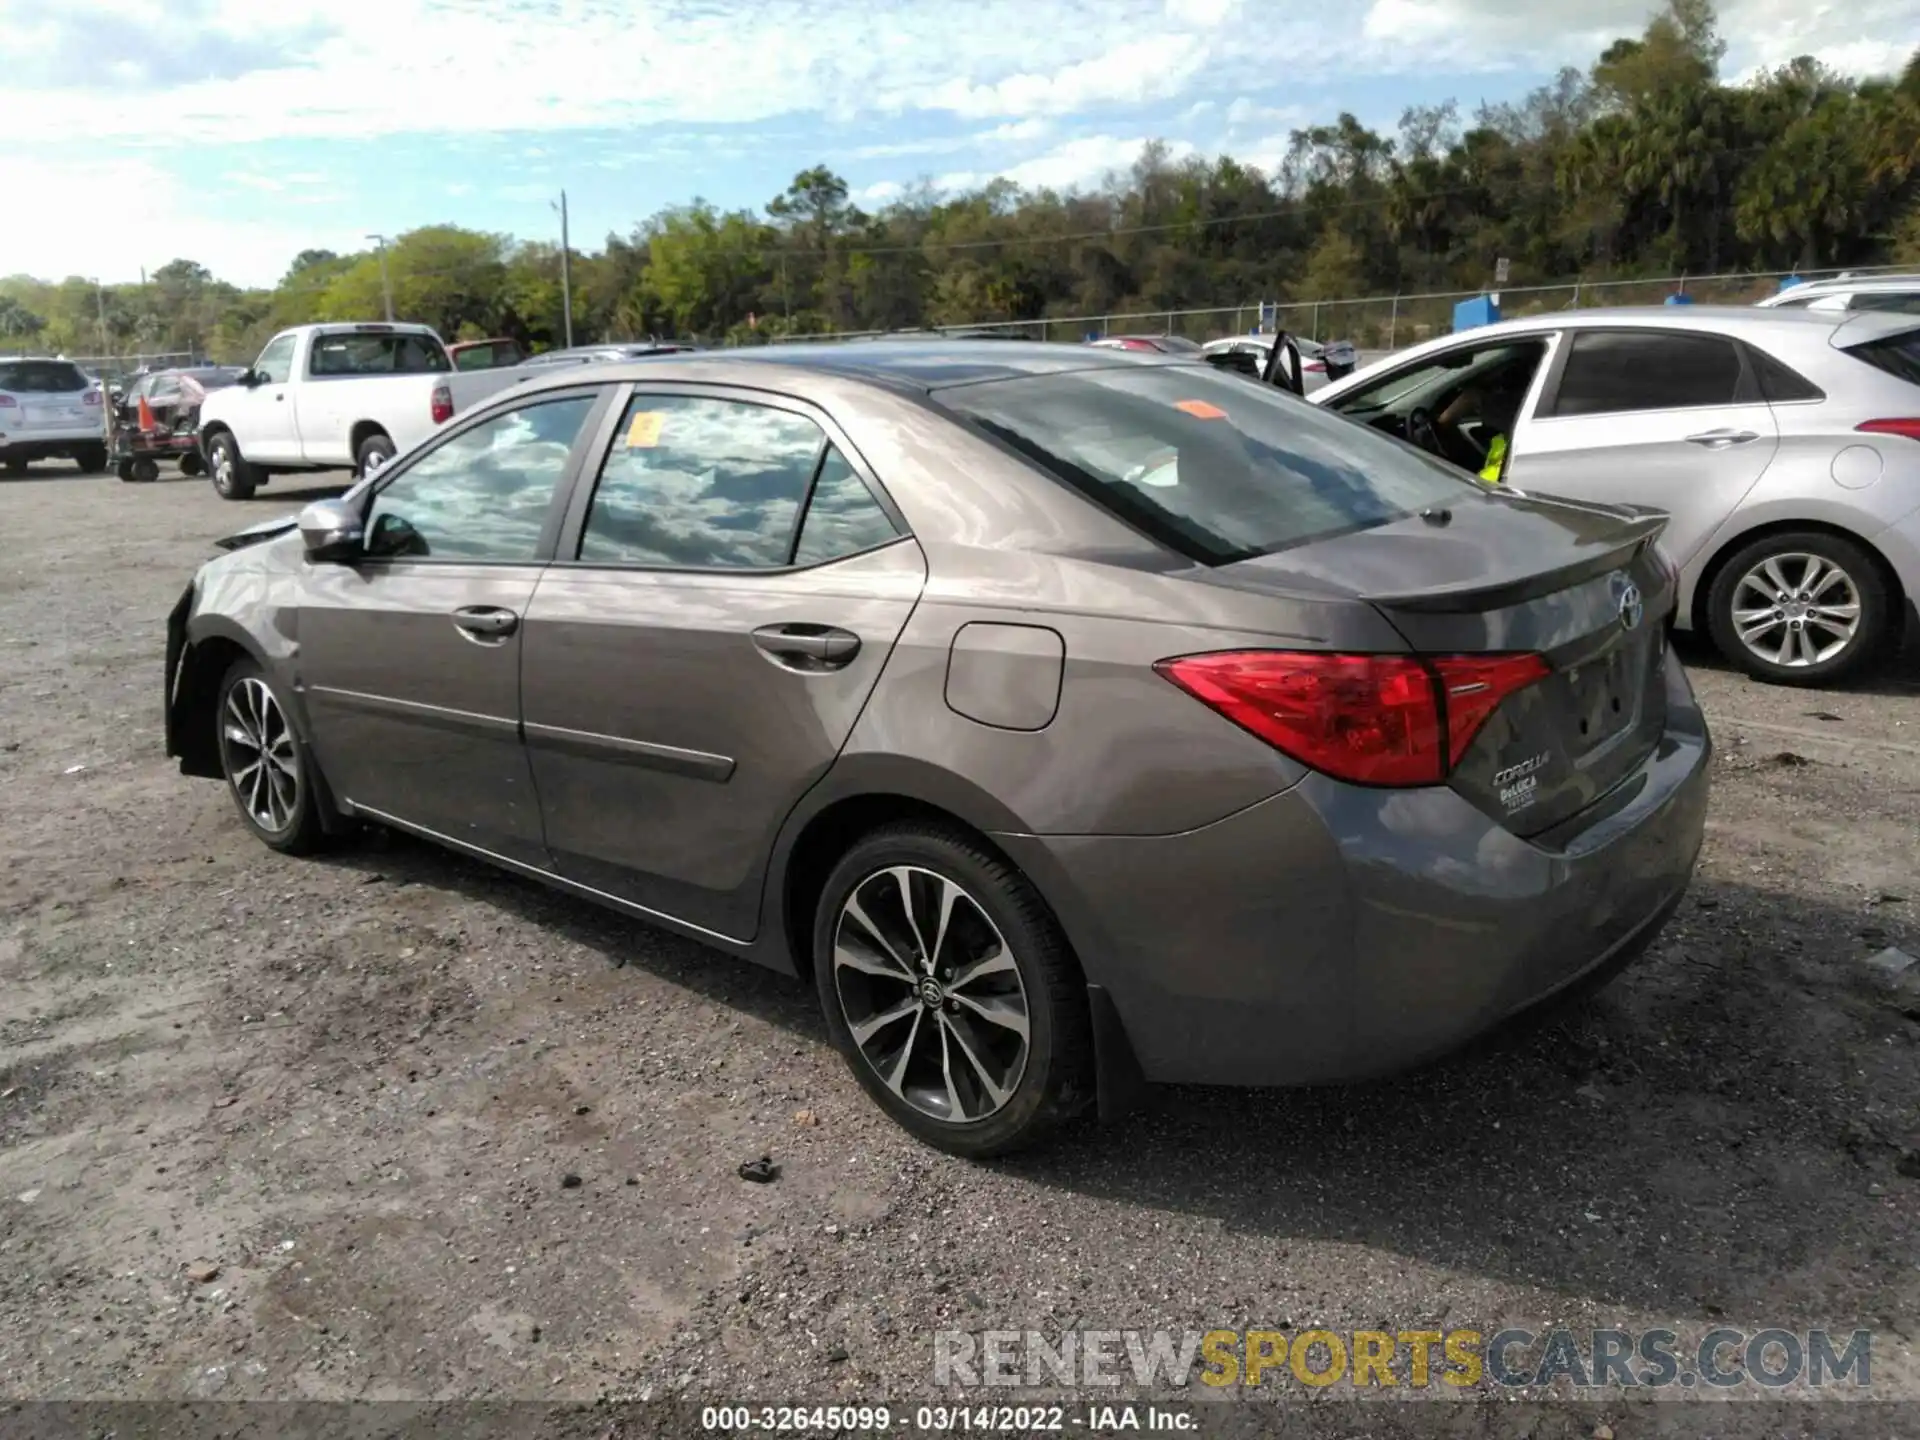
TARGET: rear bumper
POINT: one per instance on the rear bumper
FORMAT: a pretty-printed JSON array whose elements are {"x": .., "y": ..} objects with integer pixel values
[
  {"x": 48, "y": 444},
  {"x": 1332, "y": 932}
]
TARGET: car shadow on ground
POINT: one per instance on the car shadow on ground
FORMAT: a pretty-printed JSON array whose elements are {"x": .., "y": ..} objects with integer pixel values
[{"x": 1725, "y": 1131}]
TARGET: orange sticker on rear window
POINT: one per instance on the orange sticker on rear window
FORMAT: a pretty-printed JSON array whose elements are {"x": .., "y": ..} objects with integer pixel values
[
  {"x": 644, "y": 432},
  {"x": 1200, "y": 409}
]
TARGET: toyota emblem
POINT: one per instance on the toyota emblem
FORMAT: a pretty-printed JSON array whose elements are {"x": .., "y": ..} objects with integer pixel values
[{"x": 1626, "y": 595}]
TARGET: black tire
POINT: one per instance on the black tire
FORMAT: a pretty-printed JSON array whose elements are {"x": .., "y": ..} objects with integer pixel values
[
  {"x": 263, "y": 800},
  {"x": 191, "y": 464},
  {"x": 124, "y": 470},
  {"x": 1055, "y": 1078},
  {"x": 372, "y": 452},
  {"x": 92, "y": 459},
  {"x": 1863, "y": 574},
  {"x": 16, "y": 465},
  {"x": 145, "y": 470},
  {"x": 233, "y": 478}
]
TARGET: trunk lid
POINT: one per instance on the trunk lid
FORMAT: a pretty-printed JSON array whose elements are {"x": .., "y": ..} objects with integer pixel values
[{"x": 1580, "y": 586}]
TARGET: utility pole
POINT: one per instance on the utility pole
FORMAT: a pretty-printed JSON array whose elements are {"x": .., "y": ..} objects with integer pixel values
[
  {"x": 386, "y": 285},
  {"x": 566, "y": 271}
]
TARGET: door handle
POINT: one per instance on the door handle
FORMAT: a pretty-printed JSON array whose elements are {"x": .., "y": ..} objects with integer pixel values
[
  {"x": 1721, "y": 439},
  {"x": 485, "y": 624},
  {"x": 810, "y": 648}
]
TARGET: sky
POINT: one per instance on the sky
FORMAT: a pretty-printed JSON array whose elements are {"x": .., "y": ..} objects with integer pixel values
[{"x": 237, "y": 133}]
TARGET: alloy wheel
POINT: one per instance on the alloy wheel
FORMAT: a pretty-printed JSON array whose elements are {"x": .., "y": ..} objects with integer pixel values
[
  {"x": 223, "y": 468},
  {"x": 931, "y": 994},
  {"x": 1796, "y": 610},
  {"x": 262, "y": 761}
]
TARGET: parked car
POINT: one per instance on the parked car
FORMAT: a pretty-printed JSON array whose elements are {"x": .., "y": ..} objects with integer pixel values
[
  {"x": 486, "y": 354},
  {"x": 1148, "y": 344},
  {"x": 157, "y": 417},
  {"x": 1785, "y": 444},
  {"x": 1065, "y": 717},
  {"x": 326, "y": 397},
  {"x": 1898, "y": 293},
  {"x": 605, "y": 354},
  {"x": 50, "y": 410},
  {"x": 1317, "y": 366}
]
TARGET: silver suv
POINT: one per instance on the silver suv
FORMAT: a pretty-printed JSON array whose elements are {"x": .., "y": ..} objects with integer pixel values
[{"x": 50, "y": 409}]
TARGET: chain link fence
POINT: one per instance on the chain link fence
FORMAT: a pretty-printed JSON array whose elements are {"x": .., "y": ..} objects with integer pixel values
[{"x": 1380, "y": 323}]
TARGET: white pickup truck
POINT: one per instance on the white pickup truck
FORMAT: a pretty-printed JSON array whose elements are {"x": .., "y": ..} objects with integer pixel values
[{"x": 329, "y": 397}]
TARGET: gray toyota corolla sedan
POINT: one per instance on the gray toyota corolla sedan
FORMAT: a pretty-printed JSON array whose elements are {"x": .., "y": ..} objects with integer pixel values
[{"x": 1069, "y": 717}]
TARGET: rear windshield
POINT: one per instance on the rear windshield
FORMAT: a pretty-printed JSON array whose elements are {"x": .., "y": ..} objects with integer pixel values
[
  {"x": 487, "y": 356},
  {"x": 377, "y": 355},
  {"x": 1213, "y": 466},
  {"x": 41, "y": 377},
  {"x": 1898, "y": 355}
]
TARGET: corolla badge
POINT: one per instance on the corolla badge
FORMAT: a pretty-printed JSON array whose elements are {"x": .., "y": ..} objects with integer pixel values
[{"x": 1626, "y": 595}]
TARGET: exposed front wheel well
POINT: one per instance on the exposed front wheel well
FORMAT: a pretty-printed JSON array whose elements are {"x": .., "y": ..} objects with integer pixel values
[
  {"x": 1703, "y": 590},
  {"x": 196, "y": 693}
]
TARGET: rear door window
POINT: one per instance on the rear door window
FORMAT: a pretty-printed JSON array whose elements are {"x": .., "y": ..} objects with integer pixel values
[
  {"x": 1615, "y": 372},
  {"x": 1201, "y": 461},
  {"x": 696, "y": 483},
  {"x": 41, "y": 377}
]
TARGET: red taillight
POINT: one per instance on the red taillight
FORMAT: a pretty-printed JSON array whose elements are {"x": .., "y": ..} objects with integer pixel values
[
  {"x": 442, "y": 404},
  {"x": 1909, "y": 428},
  {"x": 1475, "y": 685},
  {"x": 1315, "y": 367},
  {"x": 7, "y": 400},
  {"x": 1371, "y": 719},
  {"x": 93, "y": 397}
]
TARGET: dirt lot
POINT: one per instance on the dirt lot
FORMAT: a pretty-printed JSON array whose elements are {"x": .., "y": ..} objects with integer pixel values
[{"x": 357, "y": 1085}]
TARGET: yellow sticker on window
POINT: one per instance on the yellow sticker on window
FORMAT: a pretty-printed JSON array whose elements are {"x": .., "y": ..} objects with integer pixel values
[
  {"x": 1200, "y": 409},
  {"x": 644, "y": 432}
]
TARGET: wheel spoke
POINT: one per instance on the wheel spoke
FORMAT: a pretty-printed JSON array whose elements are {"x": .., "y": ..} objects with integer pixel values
[
  {"x": 1777, "y": 577},
  {"x": 948, "y": 894},
  {"x": 955, "y": 1110},
  {"x": 858, "y": 913},
  {"x": 995, "y": 962},
  {"x": 996, "y": 1011},
  {"x": 896, "y": 1074},
  {"x": 868, "y": 1028},
  {"x": 987, "y": 1082},
  {"x": 846, "y": 957},
  {"x": 1814, "y": 577},
  {"x": 903, "y": 878}
]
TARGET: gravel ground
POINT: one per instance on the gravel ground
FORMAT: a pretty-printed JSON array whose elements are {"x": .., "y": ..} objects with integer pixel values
[{"x": 357, "y": 1090}]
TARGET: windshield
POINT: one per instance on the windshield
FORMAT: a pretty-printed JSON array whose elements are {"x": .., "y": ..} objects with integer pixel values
[
  {"x": 487, "y": 355},
  {"x": 377, "y": 354},
  {"x": 1205, "y": 463},
  {"x": 41, "y": 377}
]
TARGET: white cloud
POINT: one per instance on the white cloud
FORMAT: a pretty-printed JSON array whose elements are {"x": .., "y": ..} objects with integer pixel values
[
  {"x": 1076, "y": 164},
  {"x": 880, "y": 193},
  {"x": 1475, "y": 35},
  {"x": 368, "y": 68},
  {"x": 154, "y": 220}
]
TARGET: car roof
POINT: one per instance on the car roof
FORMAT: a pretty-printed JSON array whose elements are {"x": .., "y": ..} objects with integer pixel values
[
  {"x": 921, "y": 365},
  {"x": 1750, "y": 322},
  {"x": 1724, "y": 319}
]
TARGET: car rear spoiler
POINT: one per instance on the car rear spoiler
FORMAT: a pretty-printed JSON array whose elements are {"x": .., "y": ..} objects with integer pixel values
[{"x": 1638, "y": 529}]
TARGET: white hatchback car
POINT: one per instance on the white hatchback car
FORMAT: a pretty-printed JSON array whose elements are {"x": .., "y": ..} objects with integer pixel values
[{"x": 49, "y": 410}]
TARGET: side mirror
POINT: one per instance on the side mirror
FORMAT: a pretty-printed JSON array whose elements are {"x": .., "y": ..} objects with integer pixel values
[
  {"x": 251, "y": 378},
  {"x": 330, "y": 530}
]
